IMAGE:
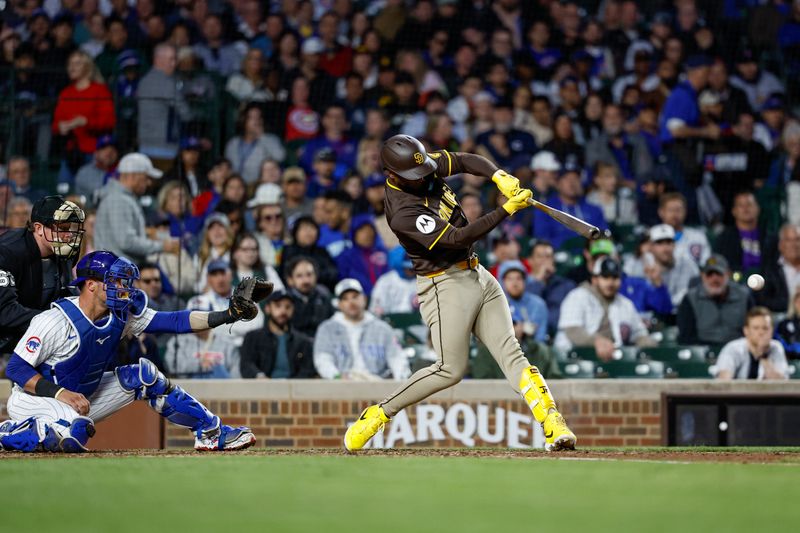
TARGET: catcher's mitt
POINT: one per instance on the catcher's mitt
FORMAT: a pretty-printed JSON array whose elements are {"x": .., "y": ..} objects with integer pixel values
[{"x": 249, "y": 291}]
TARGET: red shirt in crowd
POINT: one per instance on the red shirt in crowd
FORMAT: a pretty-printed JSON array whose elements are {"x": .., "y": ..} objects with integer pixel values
[
  {"x": 301, "y": 123},
  {"x": 95, "y": 103}
]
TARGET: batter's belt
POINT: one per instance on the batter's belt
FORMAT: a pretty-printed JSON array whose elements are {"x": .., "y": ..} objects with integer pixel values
[{"x": 466, "y": 264}]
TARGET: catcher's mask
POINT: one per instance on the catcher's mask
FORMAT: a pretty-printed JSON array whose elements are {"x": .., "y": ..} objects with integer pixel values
[
  {"x": 406, "y": 157},
  {"x": 118, "y": 274},
  {"x": 65, "y": 221}
]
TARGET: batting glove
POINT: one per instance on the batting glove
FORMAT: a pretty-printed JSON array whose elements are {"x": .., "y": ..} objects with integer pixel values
[
  {"x": 518, "y": 201},
  {"x": 506, "y": 183}
]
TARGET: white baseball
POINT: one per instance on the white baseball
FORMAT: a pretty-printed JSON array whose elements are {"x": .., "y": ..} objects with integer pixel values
[{"x": 755, "y": 282}]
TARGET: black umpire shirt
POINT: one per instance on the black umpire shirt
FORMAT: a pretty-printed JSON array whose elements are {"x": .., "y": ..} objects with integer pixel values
[
  {"x": 430, "y": 224},
  {"x": 24, "y": 293}
]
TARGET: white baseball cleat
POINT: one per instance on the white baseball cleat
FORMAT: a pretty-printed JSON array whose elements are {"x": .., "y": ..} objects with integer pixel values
[{"x": 224, "y": 438}]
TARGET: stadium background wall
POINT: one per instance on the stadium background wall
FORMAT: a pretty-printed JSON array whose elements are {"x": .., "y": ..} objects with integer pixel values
[{"x": 315, "y": 414}]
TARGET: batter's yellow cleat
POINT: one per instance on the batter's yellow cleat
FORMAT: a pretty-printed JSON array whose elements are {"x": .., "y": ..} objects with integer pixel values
[
  {"x": 370, "y": 422},
  {"x": 556, "y": 433}
]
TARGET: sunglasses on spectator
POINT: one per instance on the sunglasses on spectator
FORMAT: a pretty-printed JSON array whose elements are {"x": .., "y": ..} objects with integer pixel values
[
  {"x": 148, "y": 281},
  {"x": 270, "y": 218}
]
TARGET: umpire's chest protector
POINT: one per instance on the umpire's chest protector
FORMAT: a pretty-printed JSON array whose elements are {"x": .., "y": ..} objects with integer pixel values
[{"x": 97, "y": 346}]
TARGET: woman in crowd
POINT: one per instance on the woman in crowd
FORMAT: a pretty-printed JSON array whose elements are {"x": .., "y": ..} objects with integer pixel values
[
  {"x": 368, "y": 157},
  {"x": 618, "y": 203},
  {"x": 563, "y": 145},
  {"x": 305, "y": 234},
  {"x": 270, "y": 172},
  {"x": 248, "y": 85},
  {"x": 187, "y": 168},
  {"x": 271, "y": 224},
  {"x": 252, "y": 145},
  {"x": 216, "y": 244},
  {"x": 246, "y": 262},
  {"x": 84, "y": 112},
  {"x": 234, "y": 190},
  {"x": 174, "y": 202}
]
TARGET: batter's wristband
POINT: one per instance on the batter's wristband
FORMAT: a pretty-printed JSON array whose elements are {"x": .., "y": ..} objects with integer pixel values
[{"x": 47, "y": 388}]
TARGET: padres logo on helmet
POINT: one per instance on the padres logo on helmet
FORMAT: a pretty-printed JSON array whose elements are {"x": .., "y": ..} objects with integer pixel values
[{"x": 418, "y": 159}]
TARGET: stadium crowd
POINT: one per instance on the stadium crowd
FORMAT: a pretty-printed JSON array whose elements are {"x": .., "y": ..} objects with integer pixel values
[{"x": 212, "y": 140}]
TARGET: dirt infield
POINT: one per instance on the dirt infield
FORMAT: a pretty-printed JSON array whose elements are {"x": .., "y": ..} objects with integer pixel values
[{"x": 680, "y": 455}]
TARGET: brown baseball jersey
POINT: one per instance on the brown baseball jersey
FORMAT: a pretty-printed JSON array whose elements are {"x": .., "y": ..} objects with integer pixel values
[{"x": 430, "y": 224}]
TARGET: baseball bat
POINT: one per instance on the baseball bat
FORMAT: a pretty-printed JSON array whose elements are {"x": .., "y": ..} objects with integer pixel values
[{"x": 584, "y": 229}]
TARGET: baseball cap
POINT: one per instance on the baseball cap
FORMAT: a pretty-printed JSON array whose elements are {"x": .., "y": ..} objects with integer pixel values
[
  {"x": 545, "y": 160},
  {"x": 312, "y": 45},
  {"x": 697, "y": 61},
  {"x": 716, "y": 263},
  {"x": 293, "y": 174},
  {"x": 347, "y": 284},
  {"x": 279, "y": 294},
  {"x": 128, "y": 58},
  {"x": 708, "y": 97},
  {"x": 105, "y": 140},
  {"x": 662, "y": 232},
  {"x": 135, "y": 163},
  {"x": 218, "y": 218},
  {"x": 607, "y": 267},
  {"x": 773, "y": 103},
  {"x": 217, "y": 265},
  {"x": 266, "y": 194},
  {"x": 510, "y": 266},
  {"x": 602, "y": 247},
  {"x": 376, "y": 179},
  {"x": 662, "y": 17},
  {"x": 569, "y": 168},
  {"x": 746, "y": 55},
  {"x": 190, "y": 143}
]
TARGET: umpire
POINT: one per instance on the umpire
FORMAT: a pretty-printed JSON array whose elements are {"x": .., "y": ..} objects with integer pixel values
[{"x": 36, "y": 264}]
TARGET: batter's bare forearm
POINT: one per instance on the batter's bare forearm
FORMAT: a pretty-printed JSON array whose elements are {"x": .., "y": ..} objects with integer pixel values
[{"x": 473, "y": 164}]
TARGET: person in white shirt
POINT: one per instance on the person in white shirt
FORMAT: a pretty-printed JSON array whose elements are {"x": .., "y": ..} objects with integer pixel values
[
  {"x": 756, "y": 355},
  {"x": 690, "y": 241},
  {"x": 395, "y": 291},
  {"x": 595, "y": 314},
  {"x": 356, "y": 345}
]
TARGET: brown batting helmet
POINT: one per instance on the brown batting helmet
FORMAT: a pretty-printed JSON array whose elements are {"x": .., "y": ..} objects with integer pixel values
[{"x": 406, "y": 156}]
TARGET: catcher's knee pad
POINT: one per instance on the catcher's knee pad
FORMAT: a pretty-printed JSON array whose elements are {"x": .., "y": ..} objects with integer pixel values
[
  {"x": 536, "y": 393},
  {"x": 144, "y": 379},
  {"x": 182, "y": 409},
  {"x": 33, "y": 435}
]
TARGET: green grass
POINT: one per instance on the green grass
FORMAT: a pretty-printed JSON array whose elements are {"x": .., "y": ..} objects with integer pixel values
[{"x": 332, "y": 493}]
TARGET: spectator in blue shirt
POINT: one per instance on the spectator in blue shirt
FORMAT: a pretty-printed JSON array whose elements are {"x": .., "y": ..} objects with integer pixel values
[
  {"x": 366, "y": 260},
  {"x": 544, "y": 281},
  {"x": 680, "y": 117},
  {"x": 509, "y": 147},
  {"x": 333, "y": 137},
  {"x": 569, "y": 199},
  {"x": 531, "y": 308}
]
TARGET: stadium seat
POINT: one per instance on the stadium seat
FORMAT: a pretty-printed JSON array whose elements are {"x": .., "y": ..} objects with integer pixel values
[
  {"x": 794, "y": 369},
  {"x": 631, "y": 369},
  {"x": 577, "y": 369},
  {"x": 676, "y": 353},
  {"x": 402, "y": 320},
  {"x": 625, "y": 353},
  {"x": 688, "y": 369}
]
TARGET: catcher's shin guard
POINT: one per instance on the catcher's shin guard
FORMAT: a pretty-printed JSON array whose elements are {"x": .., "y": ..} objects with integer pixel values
[
  {"x": 168, "y": 400},
  {"x": 536, "y": 393},
  {"x": 34, "y": 435}
]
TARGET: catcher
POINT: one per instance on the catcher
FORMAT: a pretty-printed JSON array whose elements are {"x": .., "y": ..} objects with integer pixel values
[
  {"x": 59, "y": 367},
  {"x": 457, "y": 295}
]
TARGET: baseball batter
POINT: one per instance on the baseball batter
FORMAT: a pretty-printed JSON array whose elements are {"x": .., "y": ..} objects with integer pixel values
[
  {"x": 59, "y": 367},
  {"x": 457, "y": 295}
]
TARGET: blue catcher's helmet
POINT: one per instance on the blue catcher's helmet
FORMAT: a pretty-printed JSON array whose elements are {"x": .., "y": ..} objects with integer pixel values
[{"x": 117, "y": 273}]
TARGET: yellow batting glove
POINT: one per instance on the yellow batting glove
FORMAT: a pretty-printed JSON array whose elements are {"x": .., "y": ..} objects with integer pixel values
[
  {"x": 518, "y": 201},
  {"x": 506, "y": 183}
]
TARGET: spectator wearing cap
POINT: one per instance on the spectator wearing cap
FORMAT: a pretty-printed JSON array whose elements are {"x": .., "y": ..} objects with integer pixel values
[
  {"x": 713, "y": 312},
  {"x": 628, "y": 152},
  {"x": 270, "y": 222},
  {"x": 569, "y": 198},
  {"x": 217, "y": 55},
  {"x": 680, "y": 117},
  {"x": 595, "y": 314},
  {"x": 332, "y": 137},
  {"x": 295, "y": 201},
  {"x": 120, "y": 218},
  {"x": 278, "y": 351},
  {"x": 677, "y": 269},
  {"x": 304, "y": 243},
  {"x": 187, "y": 167},
  {"x": 744, "y": 243},
  {"x": 366, "y": 259},
  {"x": 757, "y": 83},
  {"x": 84, "y": 111},
  {"x": 92, "y": 176},
  {"x": 321, "y": 86},
  {"x": 539, "y": 354},
  {"x": 356, "y": 345},
  {"x": 545, "y": 169},
  {"x": 513, "y": 277},
  {"x": 36, "y": 264},
  {"x": 396, "y": 290},
  {"x": 323, "y": 177},
  {"x": 507, "y": 146},
  {"x": 19, "y": 174},
  {"x": 773, "y": 119},
  {"x": 162, "y": 107},
  {"x": 251, "y": 146},
  {"x": 312, "y": 300}
]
